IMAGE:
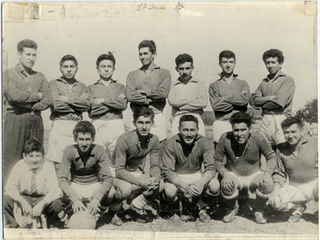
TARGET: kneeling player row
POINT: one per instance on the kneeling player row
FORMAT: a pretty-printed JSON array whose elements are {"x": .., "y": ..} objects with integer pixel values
[{"x": 185, "y": 166}]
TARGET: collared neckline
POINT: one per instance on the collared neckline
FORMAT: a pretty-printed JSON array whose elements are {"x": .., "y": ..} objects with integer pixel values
[
  {"x": 180, "y": 141},
  {"x": 154, "y": 67},
  {"x": 136, "y": 136},
  {"x": 223, "y": 78},
  {"x": 176, "y": 82},
  {"x": 303, "y": 141},
  {"x": 100, "y": 81},
  {"x": 38, "y": 170},
  {"x": 65, "y": 81},
  {"x": 22, "y": 70},
  {"x": 77, "y": 154},
  {"x": 278, "y": 74}
]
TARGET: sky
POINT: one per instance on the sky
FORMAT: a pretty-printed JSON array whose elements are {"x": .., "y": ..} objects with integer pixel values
[{"x": 203, "y": 30}]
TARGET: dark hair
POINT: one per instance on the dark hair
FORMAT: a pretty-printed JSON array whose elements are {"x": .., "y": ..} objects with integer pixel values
[
  {"x": 108, "y": 56},
  {"x": 188, "y": 118},
  {"x": 290, "y": 121},
  {"x": 68, "y": 58},
  {"x": 33, "y": 145},
  {"x": 26, "y": 43},
  {"x": 273, "y": 53},
  {"x": 183, "y": 58},
  {"x": 226, "y": 54},
  {"x": 84, "y": 127},
  {"x": 143, "y": 111},
  {"x": 150, "y": 44},
  {"x": 241, "y": 117}
]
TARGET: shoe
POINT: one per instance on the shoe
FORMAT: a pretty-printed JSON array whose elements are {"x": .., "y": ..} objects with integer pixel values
[
  {"x": 295, "y": 217},
  {"x": 116, "y": 221},
  {"x": 204, "y": 216},
  {"x": 231, "y": 214},
  {"x": 259, "y": 218}
]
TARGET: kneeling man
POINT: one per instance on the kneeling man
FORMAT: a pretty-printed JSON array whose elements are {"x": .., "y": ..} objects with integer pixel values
[
  {"x": 188, "y": 166},
  {"x": 242, "y": 149},
  {"x": 298, "y": 162},
  {"x": 87, "y": 164}
]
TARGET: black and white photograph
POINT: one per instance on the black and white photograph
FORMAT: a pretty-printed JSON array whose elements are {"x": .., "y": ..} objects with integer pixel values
[{"x": 160, "y": 120}]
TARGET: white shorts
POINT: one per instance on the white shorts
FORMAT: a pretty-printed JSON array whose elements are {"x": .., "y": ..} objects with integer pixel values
[
  {"x": 245, "y": 181},
  {"x": 190, "y": 178},
  {"x": 107, "y": 132},
  {"x": 306, "y": 189},
  {"x": 270, "y": 127},
  {"x": 219, "y": 128},
  {"x": 85, "y": 191},
  {"x": 60, "y": 137},
  {"x": 175, "y": 124}
]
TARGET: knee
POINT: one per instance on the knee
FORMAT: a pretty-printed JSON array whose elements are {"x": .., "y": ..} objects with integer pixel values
[
  {"x": 226, "y": 194},
  {"x": 170, "y": 191},
  {"x": 56, "y": 206},
  {"x": 214, "y": 186},
  {"x": 123, "y": 190}
]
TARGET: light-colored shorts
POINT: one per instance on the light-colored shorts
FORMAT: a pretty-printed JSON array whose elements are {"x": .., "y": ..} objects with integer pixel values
[
  {"x": 175, "y": 124},
  {"x": 270, "y": 127},
  {"x": 190, "y": 178},
  {"x": 85, "y": 191},
  {"x": 60, "y": 137},
  {"x": 219, "y": 128},
  {"x": 306, "y": 189},
  {"x": 107, "y": 132},
  {"x": 245, "y": 181}
]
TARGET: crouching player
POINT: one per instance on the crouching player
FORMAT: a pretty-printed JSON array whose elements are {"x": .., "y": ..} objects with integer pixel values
[
  {"x": 297, "y": 161},
  {"x": 188, "y": 166},
  {"x": 135, "y": 164},
  {"x": 32, "y": 194},
  {"x": 90, "y": 184},
  {"x": 242, "y": 149}
]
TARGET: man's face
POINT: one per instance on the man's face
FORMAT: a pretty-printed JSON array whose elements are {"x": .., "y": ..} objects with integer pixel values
[
  {"x": 68, "y": 69},
  {"x": 292, "y": 134},
  {"x": 188, "y": 131},
  {"x": 34, "y": 160},
  {"x": 28, "y": 57},
  {"x": 241, "y": 132},
  {"x": 145, "y": 56},
  {"x": 272, "y": 65},
  {"x": 227, "y": 65},
  {"x": 84, "y": 141},
  {"x": 143, "y": 125},
  {"x": 185, "y": 70},
  {"x": 106, "y": 69}
]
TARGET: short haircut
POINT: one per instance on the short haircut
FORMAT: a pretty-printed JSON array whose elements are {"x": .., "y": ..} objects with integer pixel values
[
  {"x": 241, "y": 117},
  {"x": 84, "y": 127},
  {"x": 106, "y": 56},
  {"x": 188, "y": 118},
  {"x": 272, "y": 53},
  {"x": 150, "y": 44},
  {"x": 143, "y": 111},
  {"x": 68, "y": 58},
  {"x": 290, "y": 121},
  {"x": 33, "y": 145},
  {"x": 226, "y": 54},
  {"x": 26, "y": 43},
  {"x": 183, "y": 58}
]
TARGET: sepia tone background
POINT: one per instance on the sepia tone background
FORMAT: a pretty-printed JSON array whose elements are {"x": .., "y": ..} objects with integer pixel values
[{"x": 203, "y": 30}]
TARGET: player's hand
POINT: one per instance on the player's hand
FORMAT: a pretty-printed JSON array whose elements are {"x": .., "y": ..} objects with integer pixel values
[
  {"x": 192, "y": 190},
  {"x": 227, "y": 183},
  {"x": 26, "y": 207},
  {"x": 153, "y": 183},
  {"x": 143, "y": 92},
  {"x": 63, "y": 98},
  {"x": 78, "y": 206},
  {"x": 266, "y": 183},
  {"x": 40, "y": 95},
  {"x": 275, "y": 198},
  {"x": 144, "y": 183},
  {"x": 98, "y": 100},
  {"x": 93, "y": 206},
  {"x": 198, "y": 185},
  {"x": 37, "y": 209},
  {"x": 121, "y": 96}
]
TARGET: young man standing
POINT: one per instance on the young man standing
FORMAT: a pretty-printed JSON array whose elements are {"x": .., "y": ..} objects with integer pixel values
[
  {"x": 228, "y": 95},
  {"x": 136, "y": 164},
  {"x": 274, "y": 95},
  {"x": 242, "y": 149},
  {"x": 26, "y": 94},
  {"x": 89, "y": 187},
  {"x": 149, "y": 86},
  {"x": 32, "y": 190},
  {"x": 298, "y": 163},
  {"x": 187, "y": 94},
  {"x": 188, "y": 166},
  {"x": 109, "y": 100},
  {"x": 70, "y": 99}
]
